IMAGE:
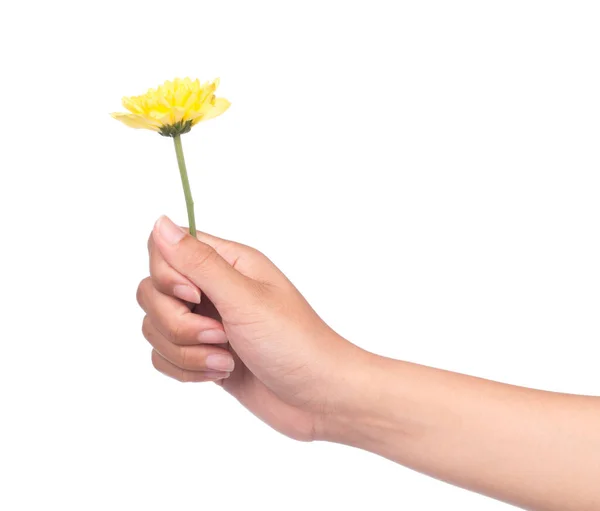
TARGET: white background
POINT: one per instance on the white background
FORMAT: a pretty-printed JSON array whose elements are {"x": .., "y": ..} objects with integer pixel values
[{"x": 426, "y": 172}]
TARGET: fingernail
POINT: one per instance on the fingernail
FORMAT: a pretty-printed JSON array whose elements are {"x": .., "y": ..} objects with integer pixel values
[
  {"x": 168, "y": 231},
  {"x": 186, "y": 293},
  {"x": 220, "y": 362},
  {"x": 212, "y": 337},
  {"x": 216, "y": 376}
]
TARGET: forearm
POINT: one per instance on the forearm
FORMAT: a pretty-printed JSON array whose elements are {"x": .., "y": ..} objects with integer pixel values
[{"x": 535, "y": 449}]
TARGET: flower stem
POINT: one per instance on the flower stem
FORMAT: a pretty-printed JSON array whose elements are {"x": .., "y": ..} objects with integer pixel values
[{"x": 189, "y": 202}]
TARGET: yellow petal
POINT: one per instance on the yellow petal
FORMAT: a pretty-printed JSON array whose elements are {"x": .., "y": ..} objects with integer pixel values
[
  {"x": 157, "y": 117},
  {"x": 132, "y": 105},
  {"x": 178, "y": 114},
  {"x": 221, "y": 104},
  {"x": 135, "y": 121}
]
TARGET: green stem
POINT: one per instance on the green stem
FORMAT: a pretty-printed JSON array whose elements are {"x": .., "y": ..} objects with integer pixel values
[{"x": 189, "y": 202}]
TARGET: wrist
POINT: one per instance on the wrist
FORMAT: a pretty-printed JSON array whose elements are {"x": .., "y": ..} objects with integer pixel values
[{"x": 358, "y": 411}]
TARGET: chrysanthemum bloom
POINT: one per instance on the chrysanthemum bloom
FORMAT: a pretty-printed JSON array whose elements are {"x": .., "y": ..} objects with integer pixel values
[{"x": 172, "y": 109}]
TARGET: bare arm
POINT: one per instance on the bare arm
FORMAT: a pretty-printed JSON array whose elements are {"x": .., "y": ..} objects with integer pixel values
[{"x": 537, "y": 450}]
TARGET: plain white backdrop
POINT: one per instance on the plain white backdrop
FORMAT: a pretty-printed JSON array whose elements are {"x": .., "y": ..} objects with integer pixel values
[{"x": 426, "y": 172}]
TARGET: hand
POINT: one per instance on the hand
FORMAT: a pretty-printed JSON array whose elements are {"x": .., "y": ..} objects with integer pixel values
[
  {"x": 205, "y": 293},
  {"x": 289, "y": 368}
]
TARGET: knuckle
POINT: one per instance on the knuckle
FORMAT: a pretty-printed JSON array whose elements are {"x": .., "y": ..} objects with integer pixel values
[
  {"x": 186, "y": 359},
  {"x": 182, "y": 376},
  {"x": 202, "y": 258},
  {"x": 142, "y": 290},
  {"x": 146, "y": 327},
  {"x": 241, "y": 248},
  {"x": 154, "y": 360},
  {"x": 150, "y": 242},
  {"x": 175, "y": 332},
  {"x": 160, "y": 278},
  {"x": 254, "y": 252},
  {"x": 183, "y": 358},
  {"x": 256, "y": 255},
  {"x": 249, "y": 255}
]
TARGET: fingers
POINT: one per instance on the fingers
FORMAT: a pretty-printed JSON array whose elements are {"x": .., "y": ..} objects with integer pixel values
[
  {"x": 167, "y": 280},
  {"x": 245, "y": 260},
  {"x": 201, "y": 264},
  {"x": 188, "y": 358},
  {"x": 174, "y": 319},
  {"x": 162, "y": 365}
]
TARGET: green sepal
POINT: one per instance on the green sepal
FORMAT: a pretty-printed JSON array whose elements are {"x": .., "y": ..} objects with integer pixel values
[{"x": 179, "y": 128}]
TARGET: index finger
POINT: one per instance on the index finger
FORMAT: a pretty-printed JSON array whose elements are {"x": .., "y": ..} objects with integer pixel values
[{"x": 175, "y": 321}]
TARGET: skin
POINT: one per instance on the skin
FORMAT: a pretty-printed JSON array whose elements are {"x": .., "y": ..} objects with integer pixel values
[{"x": 220, "y": 311}]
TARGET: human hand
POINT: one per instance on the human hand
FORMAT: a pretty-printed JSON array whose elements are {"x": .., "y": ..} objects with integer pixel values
[
  {"x": 303, "y": 379},
  {"x": 281, "y": 358}
]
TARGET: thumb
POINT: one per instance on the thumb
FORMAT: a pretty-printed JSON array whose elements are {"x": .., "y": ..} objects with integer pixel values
[{"x": 200, "y": 263}]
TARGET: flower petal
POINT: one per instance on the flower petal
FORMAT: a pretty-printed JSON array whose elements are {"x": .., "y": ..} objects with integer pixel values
[
  {"x": 135, "y": 121},
  {"x": 220, "y": 105},
  {"x": 132, "y": 105},
  {"x": 178, "y": 114}
]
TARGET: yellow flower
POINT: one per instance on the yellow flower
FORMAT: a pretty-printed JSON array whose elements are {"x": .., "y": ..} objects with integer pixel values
[{"x": 173, "y": 107}]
